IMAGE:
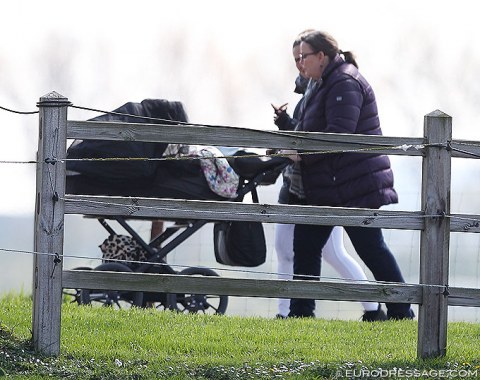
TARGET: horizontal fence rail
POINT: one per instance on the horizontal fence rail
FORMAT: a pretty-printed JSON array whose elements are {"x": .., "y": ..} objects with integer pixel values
[
  {"x": 324, "y": 290},
  {"x": 267, "y": 213},
  {"x": 228, "y": 136},
  {"x": 188, "y": 134},
  {"x": 211, "y": 210},
  {"x": 242, "y": 287}
]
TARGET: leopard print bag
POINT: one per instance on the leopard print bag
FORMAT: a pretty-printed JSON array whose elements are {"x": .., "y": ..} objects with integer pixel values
[{"x": 122, "y": 247}]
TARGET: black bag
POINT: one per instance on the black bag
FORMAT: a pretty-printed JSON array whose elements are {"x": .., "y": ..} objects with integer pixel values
[{"x": 239, "y": 243}]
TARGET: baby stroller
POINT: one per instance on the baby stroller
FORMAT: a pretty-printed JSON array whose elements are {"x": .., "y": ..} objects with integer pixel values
[{"x": 178, "y": 179}]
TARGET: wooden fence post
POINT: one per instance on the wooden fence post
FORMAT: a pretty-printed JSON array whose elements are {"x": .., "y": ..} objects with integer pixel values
[
  {"x": 49, "y": 220},
  {"x": 435, "y": 238}
]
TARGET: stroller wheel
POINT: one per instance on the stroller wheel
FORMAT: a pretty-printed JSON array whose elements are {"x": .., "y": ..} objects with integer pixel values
[
  {"x": 152, "y": 300},
  {"x": 73, "y": 295},
  {"x": 198, "y": 303},
  {"x": 114, "y": 298}
]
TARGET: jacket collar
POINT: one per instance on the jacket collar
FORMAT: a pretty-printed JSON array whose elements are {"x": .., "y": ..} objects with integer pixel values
[{"x": 332, "y": 65}]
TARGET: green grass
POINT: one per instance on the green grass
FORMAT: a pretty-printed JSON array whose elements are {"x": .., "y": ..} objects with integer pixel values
[{"x": 100, "y": 343}]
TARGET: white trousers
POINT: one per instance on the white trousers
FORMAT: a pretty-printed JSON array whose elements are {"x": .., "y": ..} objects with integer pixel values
[{"x": 334, "y": 253}]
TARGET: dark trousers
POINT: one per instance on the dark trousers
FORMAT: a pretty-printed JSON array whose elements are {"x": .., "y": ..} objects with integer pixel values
[{"x": 308, "y": 243}]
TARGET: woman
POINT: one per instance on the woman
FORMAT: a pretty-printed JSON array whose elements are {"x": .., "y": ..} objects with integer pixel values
[
  {"x": 340, "y": 100},
  {"x": 334, "y": 252}
]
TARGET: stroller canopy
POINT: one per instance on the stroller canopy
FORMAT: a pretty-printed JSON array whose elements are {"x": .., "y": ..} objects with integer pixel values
[{"x": 161, "y": 111}]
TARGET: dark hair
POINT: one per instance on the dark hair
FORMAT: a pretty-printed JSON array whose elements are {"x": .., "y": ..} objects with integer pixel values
[
  {"x": 322, "y": 41},
  {"x": 298, "y": 40}
]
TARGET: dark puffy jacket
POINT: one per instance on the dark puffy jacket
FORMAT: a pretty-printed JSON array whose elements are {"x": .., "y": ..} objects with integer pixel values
[{"x": 344, "y": 102}]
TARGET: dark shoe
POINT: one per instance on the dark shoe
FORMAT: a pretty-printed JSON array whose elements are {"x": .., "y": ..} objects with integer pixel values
[
  {"x": 280, "y": 316},
  {"x": 375, "y": 315},
  {"x": 293, "y": 315},
  {"x": 409, "y": 315}
]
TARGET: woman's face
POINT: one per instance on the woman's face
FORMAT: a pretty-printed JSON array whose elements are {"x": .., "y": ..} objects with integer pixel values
[
  {"x": 296, "y": 57},
  {"x": 312, "y": 62}
]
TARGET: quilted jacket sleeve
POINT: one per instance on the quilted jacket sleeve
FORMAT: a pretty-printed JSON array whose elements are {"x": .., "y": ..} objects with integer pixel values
[{"x": 343, "y": 106}]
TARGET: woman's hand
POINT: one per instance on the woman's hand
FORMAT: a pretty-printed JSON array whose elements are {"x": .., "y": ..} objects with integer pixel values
[
  {"x": 290, "y": 153},
  {"x": 279, "y": 110}
]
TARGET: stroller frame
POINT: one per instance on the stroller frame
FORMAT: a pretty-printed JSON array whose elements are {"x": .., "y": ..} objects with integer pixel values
[{"x": 251, "y": 176}]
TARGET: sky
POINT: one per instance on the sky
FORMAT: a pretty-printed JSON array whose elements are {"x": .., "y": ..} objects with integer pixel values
[{"x": 226, "y": 61}]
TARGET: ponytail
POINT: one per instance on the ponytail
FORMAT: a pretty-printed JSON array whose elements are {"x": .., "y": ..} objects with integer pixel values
[{"x": 349, "y": 57}]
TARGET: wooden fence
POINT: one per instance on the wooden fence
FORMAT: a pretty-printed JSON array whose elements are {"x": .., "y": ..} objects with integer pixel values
[{"x": 434, "y": 220}]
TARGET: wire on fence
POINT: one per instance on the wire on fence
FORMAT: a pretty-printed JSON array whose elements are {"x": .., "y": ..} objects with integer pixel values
[
  {"x": 18, "y": 112},
  {"x": 179, "y": 158},
  {"x": 374, "y": 146},
  {"x": 56, "y": 257},
  {"x": 284, "y": 133}
]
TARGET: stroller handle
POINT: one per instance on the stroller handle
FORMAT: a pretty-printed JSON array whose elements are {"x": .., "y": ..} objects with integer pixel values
[{"x": 248, "y": 166}]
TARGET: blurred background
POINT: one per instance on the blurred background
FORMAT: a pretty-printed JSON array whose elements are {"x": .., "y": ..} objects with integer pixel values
[{"x": 226, "y": 62}]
